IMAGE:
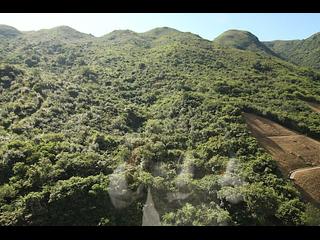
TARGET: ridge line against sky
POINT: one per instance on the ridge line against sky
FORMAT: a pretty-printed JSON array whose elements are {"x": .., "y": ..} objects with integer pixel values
[{"x": 266, "y": 26}]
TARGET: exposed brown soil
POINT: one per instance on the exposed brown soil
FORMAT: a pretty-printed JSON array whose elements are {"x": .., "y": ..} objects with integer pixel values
[
  {"x": 302, "y": 170},
  {"x": 262, "y": 127},
  {"x": 291, "y": 150},
  {"x": 314, "y": 106},
  {"x": 309, "y": 181}
]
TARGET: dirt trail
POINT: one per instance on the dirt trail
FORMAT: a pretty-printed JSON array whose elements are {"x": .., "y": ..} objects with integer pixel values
[
  {"x": 314, "y": 106},
  {"x": 297, "y": 155},
  {"x": 303, "y": 170},
  {"x": 308, "y": 181}
]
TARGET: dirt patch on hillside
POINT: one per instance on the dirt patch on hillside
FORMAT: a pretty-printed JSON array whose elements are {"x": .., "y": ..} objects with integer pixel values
[
  {"x": 302, "y": 151},
  {"x": 309, "y": 182},
  {"x": 264, "y": 127},
  {"x": 290, "y": 149},
  {"x": 314, "y": 106}
]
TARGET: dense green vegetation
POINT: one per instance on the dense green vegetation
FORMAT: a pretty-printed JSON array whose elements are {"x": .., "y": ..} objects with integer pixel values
[
  {"x": 81, "y": 115},
  {"x": 242, "y": 40},
  {"x": 302, "y": 52},
  {"x": 8, "y": 31}
]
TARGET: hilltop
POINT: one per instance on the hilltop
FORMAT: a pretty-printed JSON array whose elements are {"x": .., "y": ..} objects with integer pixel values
[
  {"x": 243, "y": 40},
  {"x": 60, "y": 33},
  {"x": 8, "y": 31}
]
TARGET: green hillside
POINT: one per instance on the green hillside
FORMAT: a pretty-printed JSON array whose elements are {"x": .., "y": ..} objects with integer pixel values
[
  {"x": 88, "y": 125},
  {"x": 243, "y": 40},
  {"x": 302, "y": 52},
  {"x": 63, "y": 34},
  {"x": 8, "y": 31}
]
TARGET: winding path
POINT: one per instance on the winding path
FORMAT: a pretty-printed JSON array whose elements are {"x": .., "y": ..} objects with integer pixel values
[
  {"x": 316, "y": 108},
  {"x": 294, "y": 172}
]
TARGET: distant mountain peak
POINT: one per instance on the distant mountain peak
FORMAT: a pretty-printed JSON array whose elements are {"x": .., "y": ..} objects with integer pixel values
[
  {"x": 8, "y": 31},
  {"x": 156, "y": 32},
  {"x": 60, "y": 33},
  {"x": 243, "y": 40},
  {"x": 64, "y": 28},
  {"x": 68, "y": 32},
  {"x": 125, "y": 32},
  {"x": 236, "y": 38}
]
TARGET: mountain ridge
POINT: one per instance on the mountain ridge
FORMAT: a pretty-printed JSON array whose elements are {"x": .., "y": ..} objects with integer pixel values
[{"x": 303, "y": 52}]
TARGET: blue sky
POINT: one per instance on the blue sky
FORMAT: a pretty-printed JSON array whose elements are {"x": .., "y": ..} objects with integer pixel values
[{"x": 266, "y": 26}]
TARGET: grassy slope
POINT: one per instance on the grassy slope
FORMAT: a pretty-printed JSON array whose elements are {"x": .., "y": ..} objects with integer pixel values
[{"x": 302, "y": 52}]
